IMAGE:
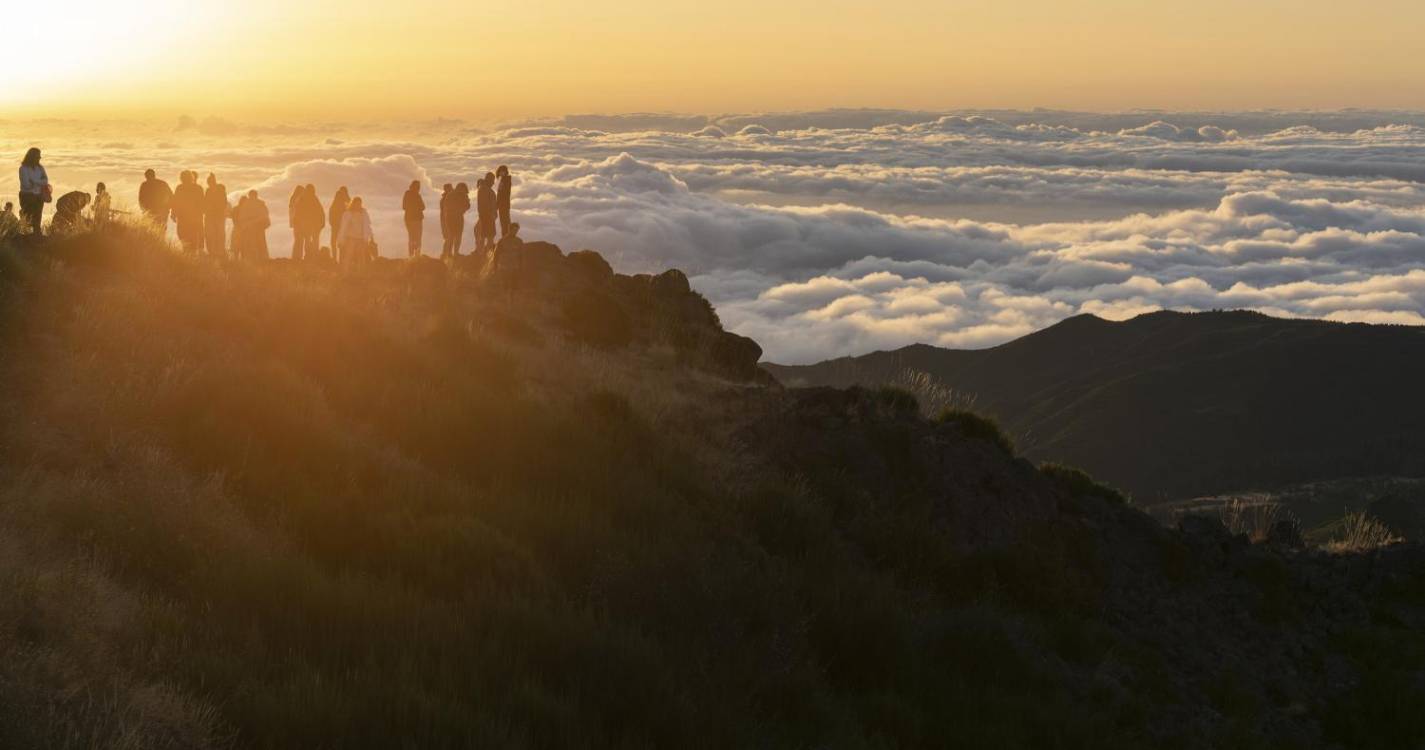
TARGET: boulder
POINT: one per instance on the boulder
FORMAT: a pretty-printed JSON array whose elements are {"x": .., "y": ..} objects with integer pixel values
[
  {"x": 736, "y": 356},
  {"x": 590, "y": 266}
]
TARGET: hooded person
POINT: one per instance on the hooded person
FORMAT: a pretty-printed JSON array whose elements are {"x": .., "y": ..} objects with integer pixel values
[
  {"x": 255, "y": 220},
  {"x": 155, "y": 198},
  {"x": 187, "y": 207},
  {"x": 459, "y": 205},
  {"x": 355, "y": 237},
  {"x": 485, "y": 203},
  {"x": 502, "y": 198},
  {"x": 67, "y": 211},
  {"x": 215, "y": 217},
  {"x": 335, "y": 211},
  {"x": 414, "y": 208}
]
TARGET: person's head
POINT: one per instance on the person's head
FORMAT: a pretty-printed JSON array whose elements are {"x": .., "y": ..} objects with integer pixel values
[
  {"x": 149, "y": 174},
  {"x": 356, "y": 203},
  {"x": 299, "y": 190},
  {"x": 342, "y": 194},
  {"x": 448, "y": 187},
  {"x": 188, "y": 178},
  {"x": 9, "y": 207},
  {"x": 100, "y": 189},
  {"x": 489, "y": 178},
  {"x": 462, "y": 188},
  {"x": 212, "y": 179},
  {"x": 252, "y": 194},
  {"x": 502, "y": 171},
  {"x": 312, "y": 190},
  {"x": 32, "y": 158},
  {"x": 415, "y": 186},
  {"x": 514, "y": 229}
]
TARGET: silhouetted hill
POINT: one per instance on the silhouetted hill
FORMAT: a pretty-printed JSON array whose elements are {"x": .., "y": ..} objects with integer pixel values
[
  {"x": 547, "y": 505},
  {"x": 1171, "y": 405}
]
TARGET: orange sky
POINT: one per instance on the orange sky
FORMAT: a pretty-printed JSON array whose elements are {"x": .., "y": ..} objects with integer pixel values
[{"x": 425, "y": 58}]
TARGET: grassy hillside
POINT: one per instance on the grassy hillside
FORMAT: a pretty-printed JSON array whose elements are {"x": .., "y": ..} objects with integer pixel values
[
  {"x": 277, "y": 506},
  {"x": 1174, "y": 405}
]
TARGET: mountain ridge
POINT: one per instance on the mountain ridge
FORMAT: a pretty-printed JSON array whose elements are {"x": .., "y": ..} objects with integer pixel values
[{"x": 1086, "y": 390}]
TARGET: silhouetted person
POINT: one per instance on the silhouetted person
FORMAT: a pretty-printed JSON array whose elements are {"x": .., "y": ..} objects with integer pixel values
[
  {"x": 414, "y": 207},
  {"x": 340, "y": 201},
  {"x": 67, "y": 211},
  {"x": 9, "y": 222},
  {"x": 155, "y": 198},
  {"x": 459, "y": 205},
  {"x": 239, "y": 242},
  {"x": 187, "y": 208},
  {"x": 103, "y": 206},
  {"x": 502, "y": 198},
  {"x": 445, "y": 194},
  {"x": 298, "y": 240},
  {"x": 355, "y": 236},
  {"x": 215, "y": 217},
  {"x": 486, "y": 213},
  {"x": 35, "y": 191},
  {"x": 313, "y": 220},
  {"x": 254, "y": 220}
]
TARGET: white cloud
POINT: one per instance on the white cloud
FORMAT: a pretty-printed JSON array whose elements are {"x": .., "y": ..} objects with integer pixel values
[{"x": 832, "y": 233}]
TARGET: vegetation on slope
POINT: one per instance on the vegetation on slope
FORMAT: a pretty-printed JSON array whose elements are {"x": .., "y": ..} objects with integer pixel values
[{"x": 279, "y": 506}]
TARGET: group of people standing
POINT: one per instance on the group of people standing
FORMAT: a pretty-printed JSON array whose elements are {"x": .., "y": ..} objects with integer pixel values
[
  {"x": 492, "y": 209},
  {"x": 200, "y": 215}
]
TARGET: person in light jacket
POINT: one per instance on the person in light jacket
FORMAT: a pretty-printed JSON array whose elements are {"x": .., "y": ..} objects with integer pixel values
[
  {"x": 35, "y": 191},
  {"x": 356, "y": 236},
  {"x": 103, "y": 206}
]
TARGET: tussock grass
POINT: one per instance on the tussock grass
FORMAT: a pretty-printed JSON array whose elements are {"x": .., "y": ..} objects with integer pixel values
[
  {"x": 978, "y": 427},
  {"x": 1254, "y": 516},
  {"x": 1359, "y": 532},
  {"x": 933, "y": 396}
]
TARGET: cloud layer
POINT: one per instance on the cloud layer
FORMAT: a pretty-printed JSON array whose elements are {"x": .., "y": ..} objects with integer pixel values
[{"x": 824, "y": 234}]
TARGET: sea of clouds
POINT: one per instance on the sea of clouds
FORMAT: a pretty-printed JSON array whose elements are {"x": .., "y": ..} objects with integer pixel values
[{"x": 834, "y": 233}]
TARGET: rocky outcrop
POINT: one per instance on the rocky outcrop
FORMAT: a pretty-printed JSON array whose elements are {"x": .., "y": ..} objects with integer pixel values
[{"x": 608, "y": 310}]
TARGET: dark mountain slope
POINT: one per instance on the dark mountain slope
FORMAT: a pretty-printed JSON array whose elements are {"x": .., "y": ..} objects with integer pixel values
[{"x": 1169, "y": 405}]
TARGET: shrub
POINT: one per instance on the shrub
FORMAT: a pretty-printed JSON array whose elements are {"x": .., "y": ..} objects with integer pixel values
[
  {"x": 1078, "y": 483},
  {"x": 977, "y": 427},
  {"x": 898, "y": 400}
]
